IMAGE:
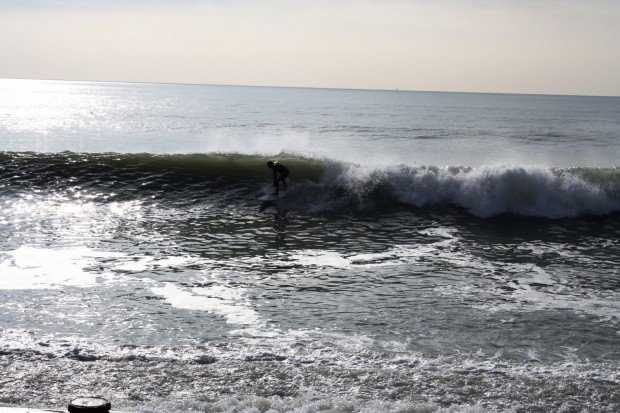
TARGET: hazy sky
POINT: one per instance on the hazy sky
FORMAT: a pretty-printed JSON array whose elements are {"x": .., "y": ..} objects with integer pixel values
[{"x": 523, "y": 46}]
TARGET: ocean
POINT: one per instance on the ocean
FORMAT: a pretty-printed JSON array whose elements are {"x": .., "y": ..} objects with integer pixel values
[{"x": 433, "y": 252}]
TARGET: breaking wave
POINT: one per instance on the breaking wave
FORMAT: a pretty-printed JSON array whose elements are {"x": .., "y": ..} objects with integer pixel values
[
  {"x": 319, "y": 185},
  {"x": 490, "y": 190}
]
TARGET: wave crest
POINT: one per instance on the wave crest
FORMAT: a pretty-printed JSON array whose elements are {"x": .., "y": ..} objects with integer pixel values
[{"x": 485, "y": 191}]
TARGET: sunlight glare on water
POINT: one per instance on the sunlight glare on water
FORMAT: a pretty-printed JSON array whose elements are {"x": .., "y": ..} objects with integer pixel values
[{"x": 432, "y": 251}]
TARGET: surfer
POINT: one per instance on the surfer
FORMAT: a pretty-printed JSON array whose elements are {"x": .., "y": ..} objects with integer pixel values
[{"x": 280, "y": 173}]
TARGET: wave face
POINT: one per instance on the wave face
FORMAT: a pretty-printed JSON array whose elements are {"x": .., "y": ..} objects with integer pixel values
[{"x": 319, "y": 185}]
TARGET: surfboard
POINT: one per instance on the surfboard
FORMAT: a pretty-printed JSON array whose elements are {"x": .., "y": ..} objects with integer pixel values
[{"x": 269, "y": 197}]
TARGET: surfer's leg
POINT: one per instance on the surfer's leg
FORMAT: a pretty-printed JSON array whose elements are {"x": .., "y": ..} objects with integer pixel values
[{"x": 284, "y": 181}]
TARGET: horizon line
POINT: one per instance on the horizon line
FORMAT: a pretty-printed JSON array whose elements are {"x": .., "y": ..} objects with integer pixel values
[{"x": 310, "y": 87}]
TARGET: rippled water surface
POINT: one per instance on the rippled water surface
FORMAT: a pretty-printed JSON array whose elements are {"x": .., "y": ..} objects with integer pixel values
[{"x": 161, "y": 282}]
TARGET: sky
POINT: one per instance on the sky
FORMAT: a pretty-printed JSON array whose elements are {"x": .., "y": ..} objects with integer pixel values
[{"x": 511, "y": 46}]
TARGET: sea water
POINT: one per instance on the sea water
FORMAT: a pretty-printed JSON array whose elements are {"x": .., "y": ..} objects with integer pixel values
[{"x": 432, "y": 252}]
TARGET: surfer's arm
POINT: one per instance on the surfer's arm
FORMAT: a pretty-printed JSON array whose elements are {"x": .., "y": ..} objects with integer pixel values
[{"x": 274, "y": 177}]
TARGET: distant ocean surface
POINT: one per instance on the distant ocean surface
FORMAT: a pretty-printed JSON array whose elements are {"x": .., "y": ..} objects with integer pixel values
[{"x": 439, "y": 252}]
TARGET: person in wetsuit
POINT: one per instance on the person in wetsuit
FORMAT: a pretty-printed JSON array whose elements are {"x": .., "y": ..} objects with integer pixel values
[{"x": 280, "y": 173}]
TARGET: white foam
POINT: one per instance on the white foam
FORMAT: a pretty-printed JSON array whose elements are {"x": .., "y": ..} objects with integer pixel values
[
  {"x": 40, "y": 268},
  {"x": 222, "y": 300},
  {"x": 148, "y": 263},
  {"x": 320, "y": 258},
  {"x": 526, "y": 298},
  {"x": 396, "y": 255},
  {"x": 484, "y": 191}
]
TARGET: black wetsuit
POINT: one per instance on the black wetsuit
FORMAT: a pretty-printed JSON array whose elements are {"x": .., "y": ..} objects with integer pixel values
[{"x": 278, "y": 168}]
